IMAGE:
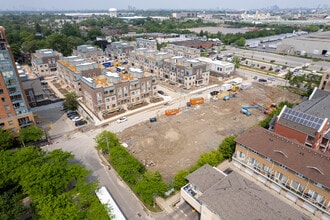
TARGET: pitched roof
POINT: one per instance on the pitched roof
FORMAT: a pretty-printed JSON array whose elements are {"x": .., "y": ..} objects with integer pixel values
[
  {"x": 205, "y": 177},
  {"x": 318, "y": 105},
  {"x": 235, "y": 197},
  {"x": 318, "y": 93},
  {"x": 300, "y": 121},
  {"x": 311, "y": 164}
]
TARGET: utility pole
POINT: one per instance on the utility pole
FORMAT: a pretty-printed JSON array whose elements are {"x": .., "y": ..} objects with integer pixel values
[{"x": 108, "y": 145}]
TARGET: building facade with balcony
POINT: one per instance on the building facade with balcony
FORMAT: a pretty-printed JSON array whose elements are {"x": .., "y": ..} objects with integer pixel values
[
  {"x": 146, "y": 43},
  {"x": 292, "y": 169},
  {"x": 178, "y": 50},
  {"x": 148, "y": 60},
  {"x": 118, "y": 51},
  {"x": 44, "y": 62},
  {"x": 112, "y": 91},
  {"x": 72, "y": 69},
  {"x": 15, "y": 112},
  {"x": 186, "y": 73},
  {"x": 92, "y": 53},
  {"x": 219, "y": 196}
]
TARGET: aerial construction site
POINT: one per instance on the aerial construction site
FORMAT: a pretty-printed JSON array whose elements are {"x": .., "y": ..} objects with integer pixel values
[{"x": 180, "y": 136}]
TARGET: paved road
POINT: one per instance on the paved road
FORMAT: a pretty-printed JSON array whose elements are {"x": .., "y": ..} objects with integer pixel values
[
  {"x": 291, "y": 61},
  {"x": 82, "y": 146}
]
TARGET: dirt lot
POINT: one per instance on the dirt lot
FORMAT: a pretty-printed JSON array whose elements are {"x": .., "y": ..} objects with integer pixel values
[{"x": 175, "y": 142}]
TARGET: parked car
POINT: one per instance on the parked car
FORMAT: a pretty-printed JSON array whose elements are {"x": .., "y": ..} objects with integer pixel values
[
  {"x": 272, "y": 61},
  {"x": 262, "y": 80},
  {"x": 214, "y": 93},
  {"x": 122, "y": 119},
  {"x": 161, "y": 92},
  {"x": 70, "y": 112},
  {"x": 77, "y": 118},
  {"x": 80, "y": 122},
  {"x": 153, "y": 119},
  {"x": 263, "y": 67},
  {"x": 73, "y": 115}
]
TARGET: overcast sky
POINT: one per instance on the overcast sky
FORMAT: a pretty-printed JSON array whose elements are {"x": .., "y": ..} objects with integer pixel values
[{"x": 155, "y": 4}]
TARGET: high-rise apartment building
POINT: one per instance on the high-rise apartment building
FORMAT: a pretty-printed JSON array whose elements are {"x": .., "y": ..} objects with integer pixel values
[{"x": 14, "y": 110}]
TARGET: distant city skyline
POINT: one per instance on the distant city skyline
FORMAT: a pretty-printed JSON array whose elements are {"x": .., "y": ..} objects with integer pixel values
[{"x": 40, "y": 5}]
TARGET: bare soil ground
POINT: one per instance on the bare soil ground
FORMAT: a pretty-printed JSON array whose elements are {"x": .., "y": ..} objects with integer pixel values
[{"x": 176, "y": 142}]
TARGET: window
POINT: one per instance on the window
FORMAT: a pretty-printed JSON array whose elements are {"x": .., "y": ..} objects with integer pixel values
[
  {"x": 253, "y": 161},
  {"x": 297, "y": 186},
  {"x": 1, "y": 91},
  {"x": 280, "y": 177},
  {"x": 241, "y": 155},
  {"x": 10, "y": 122},
  {"x": 265, "y": 168},
  {"x": 7, "y": 107},
  {"x": 3, "y": 99},
  {"x": 315, "y": 196}
]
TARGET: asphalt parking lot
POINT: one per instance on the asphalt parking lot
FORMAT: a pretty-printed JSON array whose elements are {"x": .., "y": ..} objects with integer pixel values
[{"x": 51, "y": 119}]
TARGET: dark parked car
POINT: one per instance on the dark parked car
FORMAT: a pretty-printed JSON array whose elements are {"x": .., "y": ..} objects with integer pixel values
[
  {"x": 153, "y": 119},
  {"x": 214, "y": 93},
  {"x": 80, "y": 122},
  {"x": 262, "y": 80},
  {"x": 272, "y": 61},
  {"x": 161, "y": 92},
  {"x": 263, "y": 67},
  {"x": 70, "y": 112}
]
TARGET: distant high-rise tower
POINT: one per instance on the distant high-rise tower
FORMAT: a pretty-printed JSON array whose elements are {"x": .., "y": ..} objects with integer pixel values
[
  {"x": 14, "y": 110},
  {"x": 113, "y": 12}
]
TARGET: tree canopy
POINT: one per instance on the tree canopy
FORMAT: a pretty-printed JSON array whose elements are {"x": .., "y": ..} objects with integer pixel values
[
  {"x": 71, "y": 100},
  {"x": 30, "y": 134},
  {"x": 56, "y": 187}
]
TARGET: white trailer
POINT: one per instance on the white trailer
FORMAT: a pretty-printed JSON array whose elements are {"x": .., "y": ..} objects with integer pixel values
[{"x": 225, "y": 87}]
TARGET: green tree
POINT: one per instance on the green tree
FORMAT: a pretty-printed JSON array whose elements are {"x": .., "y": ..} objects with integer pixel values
[
  {"x": 30, "y": 134},
  {"x": 11, "y": 206},
  {"x": 237, "y": 61},
  {"x": 6, "y": 140},
  {"x": 57, "y": 187},
  {"x": 106, "y": 140},
  {"x": 71, "y": 100},
  {"x": 69, "y": 29},
  {"x": 212, "y": 158},
  {"x": 227, "y": 147},
  {"x": 127, "y": 166},
  {"x": 95, "y": 32},
  {"x": 241, "y": 42},
  {"x": 179, "y": 179},
  {"x": 150, "y": 186}
]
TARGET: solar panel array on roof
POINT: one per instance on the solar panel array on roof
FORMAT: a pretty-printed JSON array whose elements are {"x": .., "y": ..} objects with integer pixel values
[{"x": 302, "y": 118}]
